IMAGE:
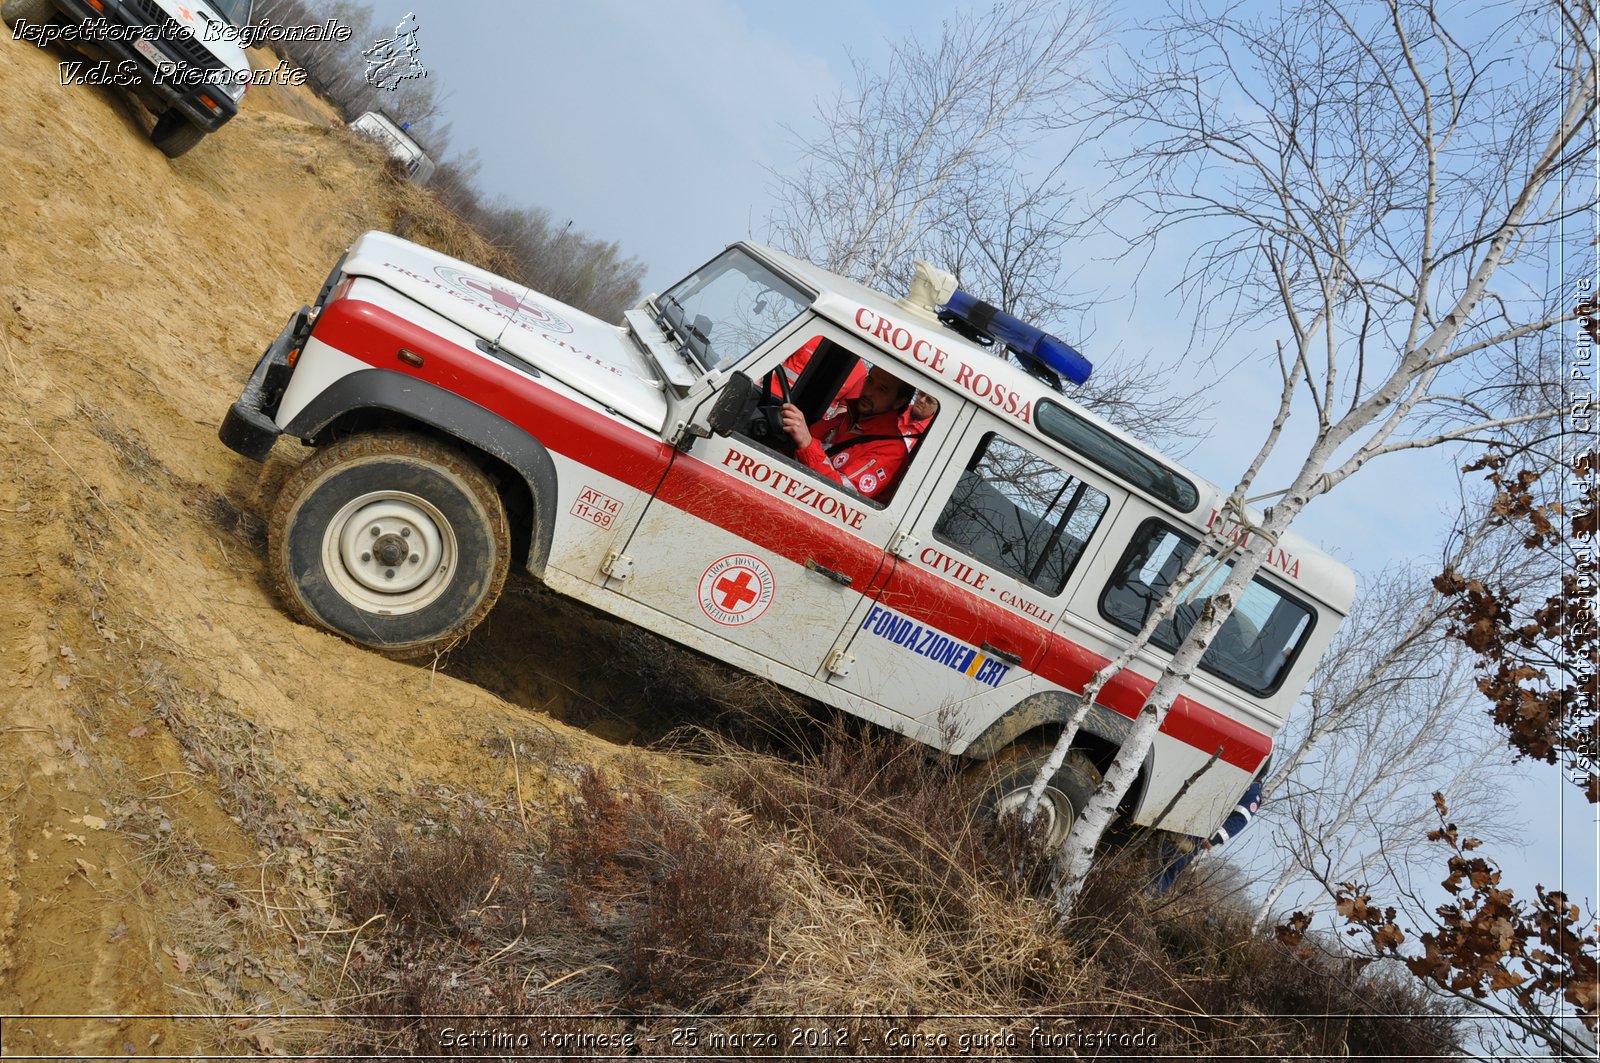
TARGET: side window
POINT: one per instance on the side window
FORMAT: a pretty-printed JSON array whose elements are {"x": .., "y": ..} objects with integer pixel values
[
  {"x": 866, "y": 422},
  {"x": 1257, "y": 641},
  {"x": 1021, "y": 514},
  {"x": 833, "y": 379}
]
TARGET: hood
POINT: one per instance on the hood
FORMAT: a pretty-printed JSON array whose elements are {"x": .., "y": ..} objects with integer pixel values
[
  {"x": 583, "y": 352},
  {"x": 209, "y": 28}
]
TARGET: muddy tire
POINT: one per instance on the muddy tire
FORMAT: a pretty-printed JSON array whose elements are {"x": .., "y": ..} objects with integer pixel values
[
  {"x": 1010, "y": 776},
  {"x": 174, "y": 134},
  {"x": 35, "y": 12},
  {"x": 392, "y": 540}
]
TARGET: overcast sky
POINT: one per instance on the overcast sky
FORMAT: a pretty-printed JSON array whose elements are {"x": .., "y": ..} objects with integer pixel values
[{"x": 657, "y": 125}]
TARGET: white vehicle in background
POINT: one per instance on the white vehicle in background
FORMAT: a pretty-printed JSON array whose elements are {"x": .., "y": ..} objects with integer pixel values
[
  {"x": 463, "y": 422},
  {"x": 181, "y": 58},
  {"x": 397, "y": 142}
]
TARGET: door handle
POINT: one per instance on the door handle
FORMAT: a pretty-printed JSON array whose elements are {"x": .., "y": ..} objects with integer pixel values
[
  {"x": 838, "y": 577},
  {"x": 995, "y": 651}
]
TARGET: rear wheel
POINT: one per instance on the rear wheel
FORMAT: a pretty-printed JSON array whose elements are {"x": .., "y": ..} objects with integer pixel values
[
  {"x": 395, "y": 541},
  {"x": 1068, "y": 791},
  {"x": 174, "y": 134}
]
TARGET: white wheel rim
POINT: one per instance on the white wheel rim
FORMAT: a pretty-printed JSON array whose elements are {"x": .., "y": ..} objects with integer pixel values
[
  {"x": 389, "y": 552},
  {"x": 1054, "y": 818}
]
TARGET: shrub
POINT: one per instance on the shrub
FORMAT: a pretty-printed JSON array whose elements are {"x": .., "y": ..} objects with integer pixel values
[
  {"x": 890, "y": 901},
  {"x": 702, "y": 927}
]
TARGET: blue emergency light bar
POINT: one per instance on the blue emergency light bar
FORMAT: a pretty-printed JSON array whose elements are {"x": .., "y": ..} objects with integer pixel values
[{"x": 1036, "y": 349}]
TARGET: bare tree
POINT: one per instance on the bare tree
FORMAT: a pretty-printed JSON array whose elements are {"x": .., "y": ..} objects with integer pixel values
[
  {"x": 935, "y": 155},
  {"x": 1367, "y": 174},
  {"x": 1392, "y": 717},
  {"x": 1534, "y": 644},
  {"x": 900, "y": 158}
]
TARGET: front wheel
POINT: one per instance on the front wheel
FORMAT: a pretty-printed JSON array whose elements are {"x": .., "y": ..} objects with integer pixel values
[
  {"x": 174, "y": 134},
  {"x": 1068, "y": 791},
  {"x": 392, "y": 540}
]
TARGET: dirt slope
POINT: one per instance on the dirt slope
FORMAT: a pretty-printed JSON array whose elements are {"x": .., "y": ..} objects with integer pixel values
[{"x": 178, "y": 759}]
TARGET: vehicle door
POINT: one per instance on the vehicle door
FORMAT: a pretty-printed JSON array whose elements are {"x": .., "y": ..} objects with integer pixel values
[
  {"x": 750, "y": 554},
  {"x": 962, "y": 625}
]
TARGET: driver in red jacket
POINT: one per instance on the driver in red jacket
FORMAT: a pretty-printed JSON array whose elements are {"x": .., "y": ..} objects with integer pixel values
[
  {"x": 863, "y": 447},
  {"x": 796, "y": 364}
]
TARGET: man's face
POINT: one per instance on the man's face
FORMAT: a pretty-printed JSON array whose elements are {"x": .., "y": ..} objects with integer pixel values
[
  {"x": 924, "y": 406},
  {"x": 879, "y": 394}
]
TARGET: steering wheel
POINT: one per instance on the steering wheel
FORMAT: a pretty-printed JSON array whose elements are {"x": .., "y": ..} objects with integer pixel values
[{"x": 766, "y": 424}]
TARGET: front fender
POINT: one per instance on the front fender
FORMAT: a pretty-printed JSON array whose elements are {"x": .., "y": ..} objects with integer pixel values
[
  {"x": 369, "y": 391},
  {"x": 1044, "y": 709}
]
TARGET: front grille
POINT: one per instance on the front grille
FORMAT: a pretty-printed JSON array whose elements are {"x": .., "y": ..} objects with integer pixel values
[{"x": 174, "y": 37}]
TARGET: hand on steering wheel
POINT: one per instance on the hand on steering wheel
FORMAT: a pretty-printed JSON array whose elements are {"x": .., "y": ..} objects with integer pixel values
[
  {"x": 767, "y": 424},
  {"x": 796, "y": 431}
]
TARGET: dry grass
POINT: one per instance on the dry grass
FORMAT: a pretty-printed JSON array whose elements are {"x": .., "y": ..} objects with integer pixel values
[
  {"x": 627, "y": 899},
  {"x": 852, "y": 886}
]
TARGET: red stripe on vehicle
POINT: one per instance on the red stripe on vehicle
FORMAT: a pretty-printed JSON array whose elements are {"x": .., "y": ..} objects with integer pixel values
[
  {"x": 935, "y": 601},
  {"x": 375, "y": 336},
  {"x": 693, "y": 485}
]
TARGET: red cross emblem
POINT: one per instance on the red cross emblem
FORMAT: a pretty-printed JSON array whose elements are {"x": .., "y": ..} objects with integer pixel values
[
  {"x": 530, "y": 316},
  {"x": 501, "y": 298},
  {"x": 736, "y": 589}
]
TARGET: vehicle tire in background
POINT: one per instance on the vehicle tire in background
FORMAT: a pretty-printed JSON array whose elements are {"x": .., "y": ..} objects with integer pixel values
[
  {"x": 174, "y": 134},
  {"x": 34, "y": 12},
  {"x": 392, "y": 540}
]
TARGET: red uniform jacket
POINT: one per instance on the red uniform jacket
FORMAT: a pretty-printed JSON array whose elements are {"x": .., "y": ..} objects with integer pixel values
[
  {"x": 870, "y": 467},
  {"x": 796, "y": 363}
]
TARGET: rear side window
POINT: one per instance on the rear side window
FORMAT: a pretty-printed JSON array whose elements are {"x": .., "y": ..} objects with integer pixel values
[
  {"x": 1099, "y": 446},
  {"x": 1257, "y": 642},
  {"x": 1021, "y": 514}
]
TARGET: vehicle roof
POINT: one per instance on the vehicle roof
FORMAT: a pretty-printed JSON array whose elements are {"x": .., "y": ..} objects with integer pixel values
[
  {"x": 839, "y": 299},
  {"x": 390, "y": 125}
]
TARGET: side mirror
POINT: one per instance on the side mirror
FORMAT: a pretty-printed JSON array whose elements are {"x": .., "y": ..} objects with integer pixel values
[{"x": 731, "y": 405}]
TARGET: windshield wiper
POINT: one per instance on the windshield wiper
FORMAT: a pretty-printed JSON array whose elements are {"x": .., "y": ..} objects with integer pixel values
[
  {"x": 691, "y": 340},
  {"x": 705, "y": 341},
  {"x": 673, "y": 329}
]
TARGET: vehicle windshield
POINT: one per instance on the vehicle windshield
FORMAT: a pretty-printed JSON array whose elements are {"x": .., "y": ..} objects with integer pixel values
[
  {"x": 237, "y": 12},
  {"x": 729, "y": 307}
]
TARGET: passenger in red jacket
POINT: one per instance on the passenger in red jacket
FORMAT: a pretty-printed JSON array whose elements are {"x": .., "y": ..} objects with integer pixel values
[
  {"x": 862, "y": 448},
  {"x": 916, "y": 418}
]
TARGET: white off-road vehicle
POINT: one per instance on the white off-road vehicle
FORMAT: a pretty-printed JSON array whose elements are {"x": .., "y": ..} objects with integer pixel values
[
  {"x": 464, "y": 424},
  {"x": 396, "y": 140},
  {"x": 181, "y": 58}
]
